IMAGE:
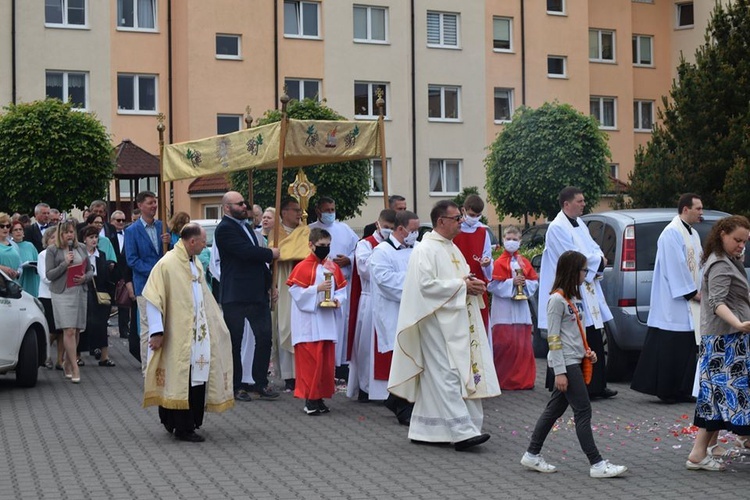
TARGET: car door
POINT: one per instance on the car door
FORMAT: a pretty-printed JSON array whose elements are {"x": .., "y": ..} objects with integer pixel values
[{"x": 9, "y": 326}]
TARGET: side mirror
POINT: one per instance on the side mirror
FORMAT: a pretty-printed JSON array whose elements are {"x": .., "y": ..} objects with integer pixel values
[{"x": 13, "y": 290}]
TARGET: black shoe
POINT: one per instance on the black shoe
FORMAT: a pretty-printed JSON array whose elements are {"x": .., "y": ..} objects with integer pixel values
[
  {"x": 267, "y": 394},
  {"x": 189, "y": 436},
  {"x": 289, "y": 384},
  {"x": 107, "y": 362},
  {"x": 97, "y": 354},
  {"x": 342, "y": 372},
  {"x": 322, "y": 407},
  {"x": 404, "y": 415},
  {"x": 363, "y": 397},
  {"x": 311, "y": 407},
  {"x": 605, "y": 394},
  {"x": 471, "y": 442},
  {"x": 169, "y": 428},
  {"x": 242, "y": 395}
]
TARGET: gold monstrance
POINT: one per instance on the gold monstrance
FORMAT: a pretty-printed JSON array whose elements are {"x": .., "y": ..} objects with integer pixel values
[
  {"x": 519, "y": 288},
  {"x": 327, "y": 302},
  {"x": 302, "y": 189}
]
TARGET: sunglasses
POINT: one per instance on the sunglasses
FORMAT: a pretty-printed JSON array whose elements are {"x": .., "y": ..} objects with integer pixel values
[
  {"x": 119, "y": 220},
  {"x": 242, "y": 203},
  {"x": 455, "y": 218},
  {"x": 4, "y": 226}
]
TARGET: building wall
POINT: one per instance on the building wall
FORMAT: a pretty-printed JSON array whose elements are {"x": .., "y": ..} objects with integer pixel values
[{"x": 6, "y": 64}]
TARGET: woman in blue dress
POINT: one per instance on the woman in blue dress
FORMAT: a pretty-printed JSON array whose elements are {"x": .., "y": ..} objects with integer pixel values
[{"x": 27, "y": 252}]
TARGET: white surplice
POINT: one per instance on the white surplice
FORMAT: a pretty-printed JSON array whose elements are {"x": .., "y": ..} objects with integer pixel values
[
  {"x": 310, "y": 322},
  {"x": 441, "y": 359},
  {"x": 561, "y": 237},
  {"x": 506, "y": 311}
]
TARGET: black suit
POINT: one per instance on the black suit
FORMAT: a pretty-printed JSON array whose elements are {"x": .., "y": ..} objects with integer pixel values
[
  {"x": 109, "y": 229},
  {"x": 33, "y": 234},
  {"x": 245, "y": 282},
  {"x": 126, "y": 316}
]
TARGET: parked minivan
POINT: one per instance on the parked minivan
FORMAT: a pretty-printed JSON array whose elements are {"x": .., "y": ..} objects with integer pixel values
[{"x": 628, "y": 239}]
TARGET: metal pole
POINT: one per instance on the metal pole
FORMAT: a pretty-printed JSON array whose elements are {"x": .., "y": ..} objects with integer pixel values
[{"x": 381, "y": 131}]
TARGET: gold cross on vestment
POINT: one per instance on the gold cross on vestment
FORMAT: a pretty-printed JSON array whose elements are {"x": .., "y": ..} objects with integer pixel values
[
  {"x": 201, "y": 362},
  {"x": 455, "y": 261}
]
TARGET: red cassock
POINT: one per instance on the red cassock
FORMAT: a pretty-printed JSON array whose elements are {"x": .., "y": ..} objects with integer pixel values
[{"x": 472, "y": 244}]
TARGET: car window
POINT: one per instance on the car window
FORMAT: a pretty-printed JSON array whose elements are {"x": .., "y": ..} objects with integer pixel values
[
  {"x": 595, "y": 229},
  {"x": 646, "y": 236},
  {"x": 609, "y": 244},
  {"x": 209, "y": 235},
  {"x": 534, "y": 236}
]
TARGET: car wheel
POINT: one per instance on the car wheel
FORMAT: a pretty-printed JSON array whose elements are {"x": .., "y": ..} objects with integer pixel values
[
  {"x": 28, "y": 363},
  {"x": 616, "y": 358}
]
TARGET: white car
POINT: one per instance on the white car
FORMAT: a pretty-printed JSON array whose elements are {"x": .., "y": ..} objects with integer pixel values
[{"x": 23, "y": 333}]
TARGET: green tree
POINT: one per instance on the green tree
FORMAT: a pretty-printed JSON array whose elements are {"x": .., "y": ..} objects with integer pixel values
[
  {"x": 540, "y": 152},
  {"x": 461, "y": 197},
  {"x": 50, "y": 153},
  {"x": 703, "y": 144},
  {"x": 347, "y": 182}
]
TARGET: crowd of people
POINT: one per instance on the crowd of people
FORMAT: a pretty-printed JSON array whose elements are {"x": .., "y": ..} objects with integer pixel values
[{"x": 428, "y": 328}]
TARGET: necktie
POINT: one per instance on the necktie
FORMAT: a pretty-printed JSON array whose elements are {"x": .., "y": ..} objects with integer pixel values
[
  {"x": 119, "y": 232},
  {"x": 43, "y": 226}
]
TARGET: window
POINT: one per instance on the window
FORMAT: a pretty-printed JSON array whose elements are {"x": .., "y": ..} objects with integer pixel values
[
  {"x": 365, "y": 99},
  {"x": 556, "y": 7},
  {"x": 142, "y": 184},
  {"x": 376, "y": 176},
  {"x": 301, "y": 19},
  {"x": 445, "y": 177},
  {"x": 601, "y": 46},
  {"x": 604, "y": 110},
  {"x": 370, "y": 24},
  {"x": 443, "y": 103},
  {"x": 643, "y": 50},
  {"x": 228, "y": 46},
  {"x": 503, "y": 105},
  {"x": 65, "y": 85},
  {"x": 502, "y": 34},
  {"x": 211, "y": 211},
  {"x": 136, "y": 94},
  {"x": 442, "y": 30},
  {"x": 643, "y": 115},
  {"x": 136, "y": 14},
  {"x": 614, "y": 170},
  {"x": 67, "y": 13},
  {"x": 685, "y": 15},
  {"x": 226, "y": 124},
  {"x": 557, "y": 66},
  {"x": 302, "y": 89}
]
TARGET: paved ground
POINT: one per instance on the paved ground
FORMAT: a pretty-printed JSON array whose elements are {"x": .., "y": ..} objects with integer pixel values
[{"x": 94, "y": 440}]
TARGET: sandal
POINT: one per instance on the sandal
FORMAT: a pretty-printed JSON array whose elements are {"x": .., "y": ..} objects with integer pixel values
[
  {"x": 107, "y": 362},
  {"x": 743, "y": 445},
  {"x": 728, "y": 452},
  {"x": 48, "y": 364},
  {"x": 708, "y": 463},
  {"x": 80, "y": 362}
]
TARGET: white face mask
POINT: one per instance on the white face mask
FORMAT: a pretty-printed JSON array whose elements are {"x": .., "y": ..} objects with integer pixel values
[
  {"x": 511, "y": 246},
  {"x": 411, "y": 238},
  {"x": 471, "y": 221},
  {"x": 385, "y": 232}
]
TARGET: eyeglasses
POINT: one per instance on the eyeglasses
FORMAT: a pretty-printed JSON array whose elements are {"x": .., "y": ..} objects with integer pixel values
[
  {"x": 585, "y": 270},
  {"x": 4, "y": 226},
  {"x": 242, "y": 203},
  {"x": 456, "y": 218},
  {"x": 119, "y": 220}
]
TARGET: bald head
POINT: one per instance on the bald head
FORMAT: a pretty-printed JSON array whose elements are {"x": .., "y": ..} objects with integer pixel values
[{"x": 234, "y": 205}]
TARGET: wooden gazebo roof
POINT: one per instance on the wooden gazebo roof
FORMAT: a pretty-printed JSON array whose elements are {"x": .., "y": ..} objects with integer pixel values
[{"x": 134, "y": 162}]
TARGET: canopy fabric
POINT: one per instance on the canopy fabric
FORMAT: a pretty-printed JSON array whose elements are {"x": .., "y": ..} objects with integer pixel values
[{"x": 308, "y": 142}]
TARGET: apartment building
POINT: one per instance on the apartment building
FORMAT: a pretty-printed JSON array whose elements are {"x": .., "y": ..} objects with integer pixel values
[{"x": 452, "y": 72}]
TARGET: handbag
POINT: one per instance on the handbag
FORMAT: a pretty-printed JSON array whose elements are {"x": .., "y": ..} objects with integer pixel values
[
  {"x": 122, "y": 298},
  {"x": 102, "y": 298}
]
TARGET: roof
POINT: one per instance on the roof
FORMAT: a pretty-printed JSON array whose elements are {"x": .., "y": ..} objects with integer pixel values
[
  {"x": 209, "y": 184},
  {"x": 645, "y": 215},
  {"x": 134, "y": 162}
]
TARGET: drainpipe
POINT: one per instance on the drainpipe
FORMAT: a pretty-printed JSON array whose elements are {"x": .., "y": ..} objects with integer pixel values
[
  {"x": 523, "y": 55},
  {"x": 276, "y": 53},
  {"x": 13, "y": 51},
  {"x": 413, "y": 110},
  {"x": 170, "y": 115}
]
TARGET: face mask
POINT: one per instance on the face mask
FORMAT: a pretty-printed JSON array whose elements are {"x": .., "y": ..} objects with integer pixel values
[
  {"x": 322, "y": 252},
  {"x": 471, "y": 221},
  {"x": 328, "y": 218},
  {"x": 411, "y": 238},
  {"x": 511, "y": 245},
  {"x": 385, "y": 232}
]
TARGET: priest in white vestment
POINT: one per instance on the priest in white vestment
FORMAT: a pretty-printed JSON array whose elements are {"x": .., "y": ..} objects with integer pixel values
[
  {"x": 189, "y": 366},
  {"x": 667, "y": 364},
  {"x": 568, "y": 232},
  {"x": 441, "y": 359}
]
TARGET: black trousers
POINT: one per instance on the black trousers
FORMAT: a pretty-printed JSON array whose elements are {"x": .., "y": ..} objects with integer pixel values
[
  {"x": 190, "y": 419},
  {"x": 127, "y": 318},
  {"x": 259, "y": 316},
  {"x": 594, "y": 337}
]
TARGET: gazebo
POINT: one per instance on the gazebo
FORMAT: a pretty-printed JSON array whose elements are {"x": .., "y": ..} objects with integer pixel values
[{"x": 133, "y": 164}]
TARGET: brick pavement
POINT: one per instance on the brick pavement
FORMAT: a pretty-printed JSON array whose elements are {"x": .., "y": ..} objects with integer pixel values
[{"x": 94, "y": 440}]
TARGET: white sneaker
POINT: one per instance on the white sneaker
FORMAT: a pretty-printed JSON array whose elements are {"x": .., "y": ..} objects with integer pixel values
[
  {"x": 606, "y": 469},
  {"x": 537, "y": 463}
]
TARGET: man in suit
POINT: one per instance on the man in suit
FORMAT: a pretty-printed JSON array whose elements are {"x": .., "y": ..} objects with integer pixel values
[
  {"x": 143, "y": 249},
  {"x": 99, "y": 207},
  {"x": 126, "y": 316},
  {"x": 395, "y": 202},
  {"x": 245, "y": 287},
  {"x": 33, "y": 232}
]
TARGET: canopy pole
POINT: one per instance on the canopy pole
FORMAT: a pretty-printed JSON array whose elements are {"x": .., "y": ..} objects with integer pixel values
[
  {"x": 250, "y": 194},
  {"x": 381, "y": 132},
  {"x": 162, "y": 197},
  {"x": 279, "y": 171}
]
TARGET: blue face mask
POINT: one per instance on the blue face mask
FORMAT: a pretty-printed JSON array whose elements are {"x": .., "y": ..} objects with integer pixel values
[{"x": 328, "y": 218}]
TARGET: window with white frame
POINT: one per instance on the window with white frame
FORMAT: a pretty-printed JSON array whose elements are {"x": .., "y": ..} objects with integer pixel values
[
  {"x": 376, "y": 176},
  {"x": 65, "y": 13},
  {"x": 442, "y": 30},
  {"x": 301, "y": 19},
  {"x": 143, "y": 184},
  {"x": 604, "y": 109},
  {"x": 445, "y": 177},
  {"x": 366, "y": 97},
  {"x": 556, "y": 7},
  {"x": 370, "y": 24},
  {"x": 443, "y": 103},
  {"x": 136, "y": 14},
  {"x": 502, "y": 34},
  {"x": 226, "y": 124},
  {"x": 503, "y": 105},
  {"x": 614, "y": 170},
  {"x": 302, "y": 89},
  {"x": 685, "y": 15},
  {"x": 228, "y": 46},
  {"x": 66, "y": 85},
  {"x": 557, "y": 66},
  {"x": 643, "y": 49},
  {"x": 211, "y": 211},
  {"x": 601, "y": 46},
  {"x": 643, "y": 115},
  {"x": 136, "y": 94}
]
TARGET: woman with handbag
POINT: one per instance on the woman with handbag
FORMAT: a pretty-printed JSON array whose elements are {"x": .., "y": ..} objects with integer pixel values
[
  {"x": 99, "y": 298},
  {"x": 68, "y": 293}
]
